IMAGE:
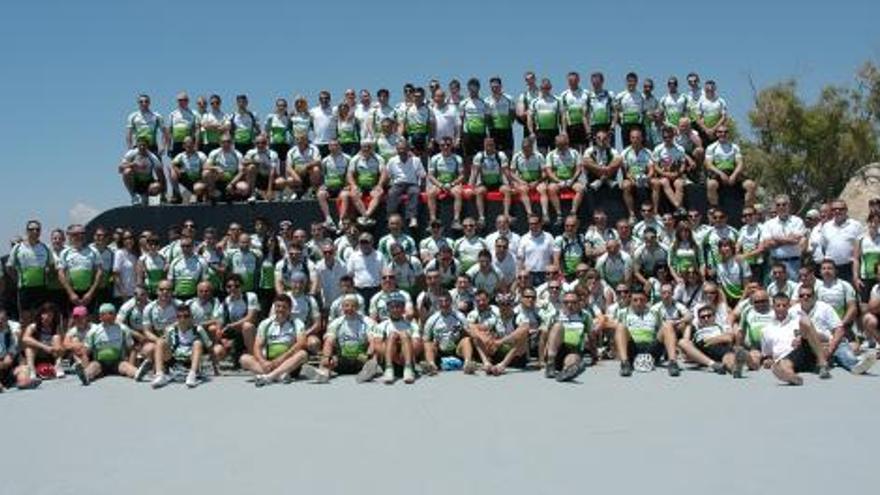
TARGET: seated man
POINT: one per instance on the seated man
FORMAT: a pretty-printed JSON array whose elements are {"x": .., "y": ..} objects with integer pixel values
[
  {"x": 446, "y": 177},
  {"x": 526, "y": 177},
  {"x": 109, "y": 349},
  {"x": 11, "y": 372},
  {"x": 207, "y": 311},
  {"x": 563, "y": 172},
  {"x": 365, "y": 175},
  {"x": 708, "y": 344},
  {"x": 569, "y": 340},
  {"x": 601, "y": 162},
  {"x": 142, "y": 173},
  {"x": 303, "y": 166},
  {"x": 399, "y": 334},
  {"x": 351, "y": 344},
  {"x": 790, "y": 344},
  {"x": 187, "y": 168},
  {"x": 445, "y": 335},
  {"x": 643, "y": 334},
  {"x": 672, "y": 165},
  {"x": 261, "y": 171},
  {"x": 489, "y": 173},
  {"x": 638, "y": 170},
  {"x": 334, "y": 171},
  {"x": 279, "y": 346},
  {"x": 725, "y": 167},
  {"x": 223, "y": 174},
  {"x": 689, "y": 140},
  {"x": 42, "y": 344},
  {"x": 184, "y": 344}
]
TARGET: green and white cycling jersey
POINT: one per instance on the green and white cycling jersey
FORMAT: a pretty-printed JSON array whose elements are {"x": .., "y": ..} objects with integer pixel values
[
  {"x": 714, "y": 237},
  {"x": 631, "y": 107},
  {"x": 158, "y": 318},
  {"x": 300, "y": 124},
  {"x": 431, "y": 246},
  {"x": 636, "y": 163},
  {"x": 145, "y": 125},
  {"x": 182, "y": 123},
  {"x": 415, "y": 119},
  {"x": 572, "y": 251},
  {"x": 386, "y": 145},
  {"x": 528, "y": 167},
  {"x": 701, "y": 333},
  {"x": 203, "y": 311},
  {"x": 526, "y": 98},
  {"x": 190, "y": 163},
  {"x": 546, "y": 112},
  {"x": 304, "y": 308},
  {"x": 563, "y": 163},
  {"x": 131, "y": 315},
  {"x": 171, "y": 251},
  {"x": 674, "y": 107},
  {"x": 379, "y": 303},
  {"x": 600, "y": 105},
  {"x": 236, "y": 309},
  {"x": 487, "y": 281},
  {"x": 445, "y": 168},
  {"x": 215, "y": 119},
  {"x": 406, "y": 273},
  {"x": 474, "y": 113},
  {"x": 406, "y": 242},
  {"x": 723, "y": 156},
  {"x": 277, "y": 127},
  {"x": 299, "y": 158},
  {"x": 277, "y": 336},
  {"x": 366, "y": 170},
  {"x": 389, "y": 326},
  {"x": 732, "y": 276},
  {"x": 182, "y": 342},
  {"x": 154, "y": 270},
  {"x": 245, "y": 127},
  {"x": 601, "y": 156},
  {"x": 31, "y": 264},
  {"x": 227, "y": 161},
  {"x": 642, "y": 326},
  {"x": 9, "y": 340},
  {"x": 108, "y": 344},
  {"x": 614, "y": 269},
  {"x": 684, "y": 256},
  {"x": 336, "y": 305},
  {"x": 500, "y": 110},
  {"x": 752, "y": 323},
  {"x": 750, "y": 238},
  {"x": 693, "y": 101},
  {"x": 467, "y": 250},
  {"x": 348, "y": 131},
  {"x": 574, "y": 103},
  {"x": 266, "y": 161},
  {"x": 837, "y": 293},
  {"x": 671, "y": 312},
  {"x": 490, "y": 318},
  {"x": 869, "y": 256},
  {"x": 670, "y": 158},
  {"x": 80, "y": 265},
  {"x": 143, "y": 164},
  {"x": 244, "y": 263},
  {"x": 648, "y": 258},
  {"x": 335, "y": 168},
  {"x": 445, "y": 329},
  {"x": 352, "y": 335},
  {"x": 185, "y": 273},
  {"x": 380, "y": 113},
  {"x": 576, "y": 328},
  {"x": 712, "y": 110},
  {"x": 490, "y": 168},
  {"x": 789, "y": 288},
  {"x": 531, "y": 317}
]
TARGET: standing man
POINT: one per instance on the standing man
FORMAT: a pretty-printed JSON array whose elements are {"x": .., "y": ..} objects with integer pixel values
[
  {"x": 182, "y": 123},
  {"x": 323, "y": 123},
  {"x": 244, "y": 125},
  {"x": 524, "y": 102},
  {"x": 536, "y": 250},
  {"x": 144, "y": 124},
  {"x": 600, "y": 108},
  {"x": 29, "y": 263},
  {"x": 574, "y": 105},
  {"x": 406, "y": 174},
  {"x": 545, "y": 117},
  {"x": 629, "y": 109},
  {"x": 502, "y": 112},
  {"x": 80, "y": 270},
  {"x": 785, "y": 237},
  {"x": 838, "y": 239},
  {"x": 474, "y": 123}
]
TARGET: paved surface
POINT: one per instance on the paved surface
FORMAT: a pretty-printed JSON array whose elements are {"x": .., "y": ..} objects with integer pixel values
[{"x": 450, "y": 434}]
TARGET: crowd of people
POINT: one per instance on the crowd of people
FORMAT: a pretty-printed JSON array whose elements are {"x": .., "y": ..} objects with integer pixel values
[
  {"x": 783, "y": 293},
  {"x": 445, "y": 145}
]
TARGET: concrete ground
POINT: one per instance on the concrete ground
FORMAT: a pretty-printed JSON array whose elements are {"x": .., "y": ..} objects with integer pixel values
[{"x": 521, "y": 433}]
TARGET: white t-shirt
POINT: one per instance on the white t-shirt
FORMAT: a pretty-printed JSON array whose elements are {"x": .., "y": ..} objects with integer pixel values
[
  {"x": 838, "y": 241},
  {"x": 324, "y": 124},
  {"x": 775, "y": 227},
  {"x": 446, "y": 120},
  {"x": 410, "y": 171},
  {"x": 124, "y": 269},
  {"x": 777, "y": 337},
  {"x": 365, "y": 269},
  {"x": 536, "y": 252},
  {"x": 822, "y": 315}
]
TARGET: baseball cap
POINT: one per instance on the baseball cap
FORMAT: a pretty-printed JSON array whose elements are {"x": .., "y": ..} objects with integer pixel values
[
  {"x": 107, "y": 308},
  {"x": 366, "y": 236},
  {"x": 79, "y": 311},
  {"x": 396, "y": 299}
]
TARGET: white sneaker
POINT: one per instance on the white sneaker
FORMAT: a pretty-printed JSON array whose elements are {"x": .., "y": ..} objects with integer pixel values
[
  {"x": 161, "y": 380},
  {"x": 409, "y": 375},
  {"x": 309, "y": 372},
  {"x": 866, "y": 362},
  {"x": 252, "y": 199},
  {"x": 192, "y": 381},
  {"x": 596, "y": 184},
  {"x": 143, "y": 369},
  {"x": 59, "y": 372},
  {"x": 261, "y": 381},
  {"x": 388, "y": 376}
]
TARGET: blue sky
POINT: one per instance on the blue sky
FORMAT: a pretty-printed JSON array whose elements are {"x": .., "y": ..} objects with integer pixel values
[{"x": 72, "y": 70}]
